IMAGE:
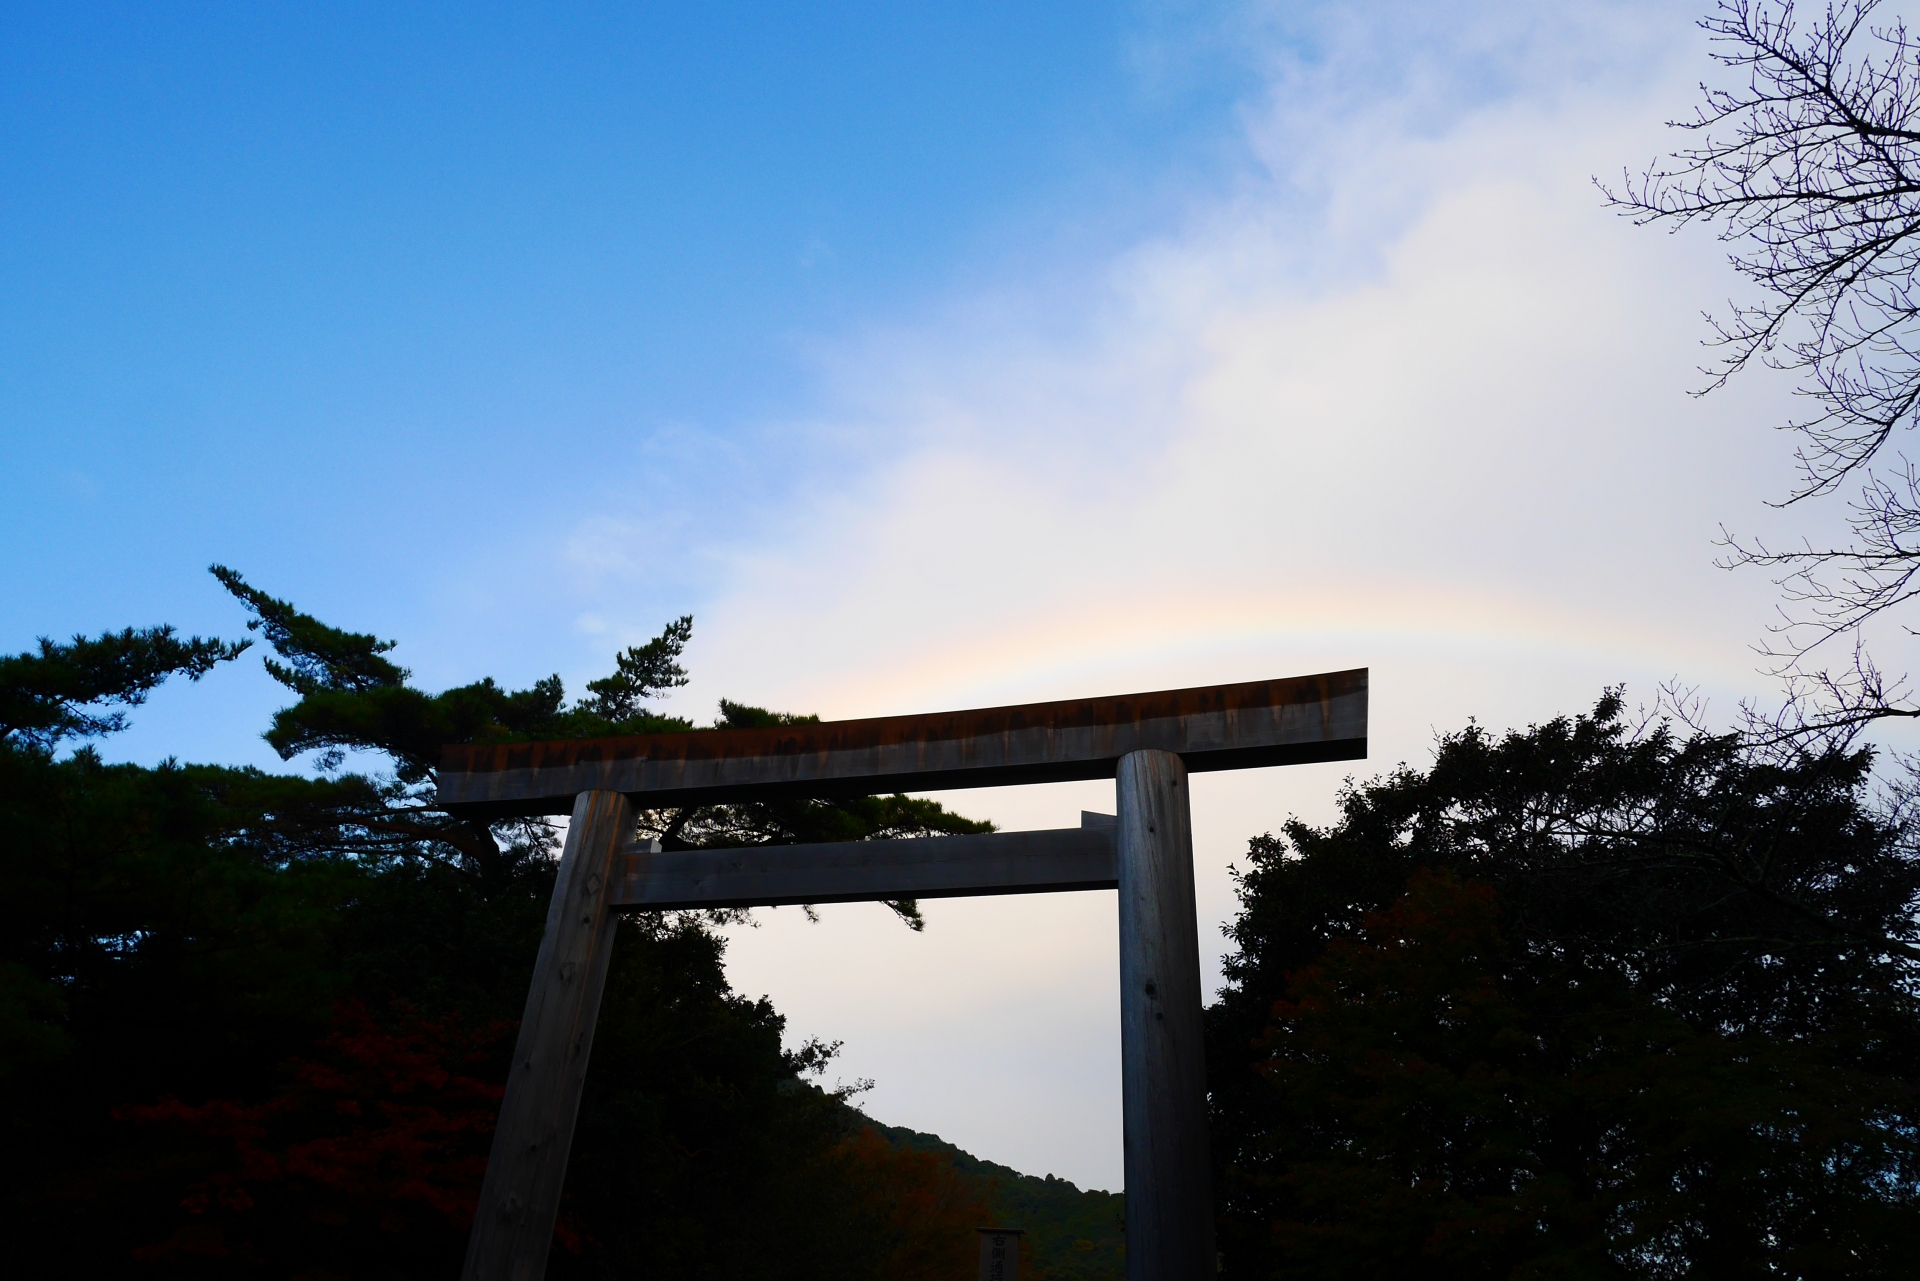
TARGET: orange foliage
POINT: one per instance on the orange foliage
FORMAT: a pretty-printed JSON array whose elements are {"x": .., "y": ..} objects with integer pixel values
[
  {"x": 928, "y": 1210},
  {"x": 385, "y": 1134}
]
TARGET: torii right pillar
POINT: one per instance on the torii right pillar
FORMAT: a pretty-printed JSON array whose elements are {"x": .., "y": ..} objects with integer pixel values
[{"x": 1163, "y": 1062}]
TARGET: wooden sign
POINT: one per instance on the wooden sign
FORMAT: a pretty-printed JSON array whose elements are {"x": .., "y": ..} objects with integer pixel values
[{"x": 1000, "y": 1253}]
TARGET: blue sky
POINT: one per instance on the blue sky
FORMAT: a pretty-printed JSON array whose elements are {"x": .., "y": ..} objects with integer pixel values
[
  {"x": 368, "y": 301},
  {"x": 931, "y": 356}
]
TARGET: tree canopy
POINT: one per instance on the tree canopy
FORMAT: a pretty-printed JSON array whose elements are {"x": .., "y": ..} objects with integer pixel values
[
  {"x": 1585, "y": 999},
  {"x": 255, "y": 1024},
  {"x": 1593, "y": 998},
  {"x": 77, "y": 690},
  {"x": 352, "y": 698}
]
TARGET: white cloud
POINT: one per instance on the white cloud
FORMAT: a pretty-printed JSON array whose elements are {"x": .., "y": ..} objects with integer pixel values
[{"x": 1402, "y": 395}]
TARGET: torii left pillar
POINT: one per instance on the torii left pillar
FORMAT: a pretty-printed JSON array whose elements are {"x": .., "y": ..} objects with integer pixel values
[{"x": 513, "y": 1225}]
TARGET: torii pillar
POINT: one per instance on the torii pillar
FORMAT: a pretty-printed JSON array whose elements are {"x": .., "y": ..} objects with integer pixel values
[{"x": 1163, "y": 1071}]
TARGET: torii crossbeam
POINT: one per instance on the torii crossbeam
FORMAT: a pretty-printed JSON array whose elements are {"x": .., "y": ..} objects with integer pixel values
[{"x": 1148, "y": 743}]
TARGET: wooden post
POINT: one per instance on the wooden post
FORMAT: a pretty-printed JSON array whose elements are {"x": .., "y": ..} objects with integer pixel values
[
  {"x": 1163, "y": 1069},
  {"x": 513, "y": 1226}
]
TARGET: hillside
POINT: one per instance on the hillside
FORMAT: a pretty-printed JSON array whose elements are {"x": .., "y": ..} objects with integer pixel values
[{"x": 1072, "y": 1235}]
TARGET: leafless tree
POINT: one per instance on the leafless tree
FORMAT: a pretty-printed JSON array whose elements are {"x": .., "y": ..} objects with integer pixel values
[{"x": 1809, "y": 169}]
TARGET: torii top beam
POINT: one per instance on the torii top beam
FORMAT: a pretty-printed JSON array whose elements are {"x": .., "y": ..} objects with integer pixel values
[{"x": 1278, "y": 722}]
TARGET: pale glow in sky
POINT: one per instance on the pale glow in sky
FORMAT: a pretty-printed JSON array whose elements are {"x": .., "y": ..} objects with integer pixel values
[
  {"x": 1428, "y": 419},
  {"x": 931, "y": 357}
]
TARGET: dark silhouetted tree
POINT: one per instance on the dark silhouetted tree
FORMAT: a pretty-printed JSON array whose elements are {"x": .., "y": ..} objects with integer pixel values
[
  {"x": 1581, "y": 1000},
  {"x": 254, "y": 1025},
  {"x": 352, "y": 698},
  {"x": 76, "y": 690}
]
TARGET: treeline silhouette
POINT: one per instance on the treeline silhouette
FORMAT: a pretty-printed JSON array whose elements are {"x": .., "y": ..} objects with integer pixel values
[
  {"x": 1589, "y": 999},
  {"x": 1597, "y": 998},
  {"x": 257, "y": 1024}
]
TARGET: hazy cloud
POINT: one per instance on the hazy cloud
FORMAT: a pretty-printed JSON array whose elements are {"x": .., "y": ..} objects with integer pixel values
[{"x": 1399, "y": 393}]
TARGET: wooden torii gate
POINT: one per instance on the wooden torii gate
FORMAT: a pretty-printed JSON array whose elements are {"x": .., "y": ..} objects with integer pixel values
[{"x": 1148, "y": 743}]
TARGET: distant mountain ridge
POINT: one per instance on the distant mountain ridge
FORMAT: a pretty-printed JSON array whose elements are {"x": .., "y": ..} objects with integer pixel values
[{"x": 1072, "y": 1235}]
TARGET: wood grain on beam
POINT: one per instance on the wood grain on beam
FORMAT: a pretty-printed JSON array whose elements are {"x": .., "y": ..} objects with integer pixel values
[
  {"x": 1073, "y": 858},
  {"x": 1277, "y": 722}
]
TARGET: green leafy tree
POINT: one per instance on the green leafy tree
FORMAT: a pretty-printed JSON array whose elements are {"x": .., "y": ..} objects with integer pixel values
[
  {"x": 352, "y": 698},
  {"x": 694, "y": 1110},
  {"x": 641, "y": 673},
  {"x": 702, "y": 1149},
  {"x": 184, "y": 1095},
  {"x": 1584, "y": 1000},
  {"x": 78, "y": 690},
  {"x": 166, "y": 932}
]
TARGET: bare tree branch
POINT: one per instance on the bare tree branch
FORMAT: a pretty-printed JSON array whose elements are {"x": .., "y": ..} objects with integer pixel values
[{"x": 1809, "y": 169}]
